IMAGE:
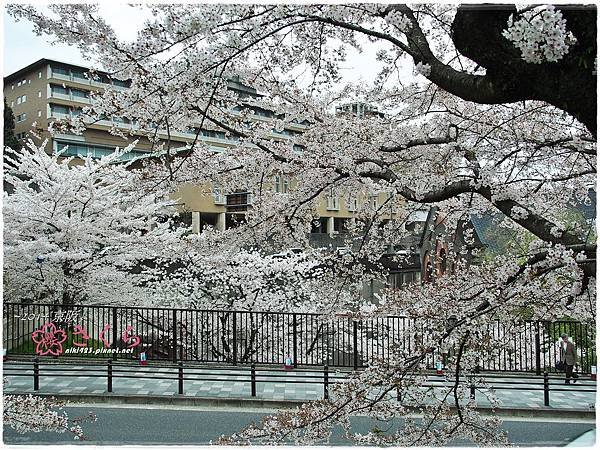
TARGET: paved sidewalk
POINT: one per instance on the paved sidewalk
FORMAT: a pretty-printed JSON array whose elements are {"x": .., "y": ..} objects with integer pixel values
[{"x": 235, "y": 384}]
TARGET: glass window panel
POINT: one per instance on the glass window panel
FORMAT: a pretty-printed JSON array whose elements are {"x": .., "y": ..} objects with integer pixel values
[
  {"x": 60, "y": 109},
  {"x": 79, "y": 74},
  {"x": 59, "y": 90},
  {"x": 79, "y": 93},
  {"x": 60, "y": 70}
]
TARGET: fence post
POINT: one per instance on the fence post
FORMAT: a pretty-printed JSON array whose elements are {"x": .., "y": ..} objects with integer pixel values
[
  {"x": 538, "y": 358},
  {"x": 180, "y": 378},
  {"x": 36, "y": 374},
  {"x": 175, "y": 335},
  {"x": 253, "y": 380},
  {"x": 295, "y": 340},
  {"x": 355, "y": 342},
  {"x": 114, "y": 330},
  {"x": 10, "y": 312},
  {"x": 472, "y": 386},
  {"x": 234, "y": 326},
  {"x": 546, "y": 389},
  {"x": 325, "y": 382},
  {"x": 110, "y": 376}
]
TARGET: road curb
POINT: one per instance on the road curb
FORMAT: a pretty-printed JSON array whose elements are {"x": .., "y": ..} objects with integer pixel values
[
  {"x": 181, "y": 400},
  {"x": 215, "y": 402}
]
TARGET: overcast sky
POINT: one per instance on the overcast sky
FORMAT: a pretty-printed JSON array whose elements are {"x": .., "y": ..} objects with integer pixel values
[{"x": 22, "y": 46}]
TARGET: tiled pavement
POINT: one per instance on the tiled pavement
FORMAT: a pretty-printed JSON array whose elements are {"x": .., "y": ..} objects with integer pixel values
[{"x": 293, "y": 385}]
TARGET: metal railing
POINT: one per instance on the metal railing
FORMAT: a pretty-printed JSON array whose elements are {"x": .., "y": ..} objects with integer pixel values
[
  {"x": 246, "y": 337},
  {"x": 254, "y": 375}
]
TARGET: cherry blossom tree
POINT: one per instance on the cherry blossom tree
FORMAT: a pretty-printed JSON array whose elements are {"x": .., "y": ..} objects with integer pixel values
[
  {"x": 35, "y": 414},
  {"x": 74, "y": 231},
  {"x": 499, "y": 117}
]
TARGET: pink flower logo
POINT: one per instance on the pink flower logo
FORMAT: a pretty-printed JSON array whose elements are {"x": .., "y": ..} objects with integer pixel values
[{"x": 49, "y": 339}]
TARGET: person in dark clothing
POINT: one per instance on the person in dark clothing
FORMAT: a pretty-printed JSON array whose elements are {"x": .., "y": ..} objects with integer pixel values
[{"x": 567, "y": 356}]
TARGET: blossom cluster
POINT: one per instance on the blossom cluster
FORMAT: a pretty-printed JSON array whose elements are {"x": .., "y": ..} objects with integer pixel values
[
  {"x": 528, "y": 164},
  {"x": 540, "y": 34},
  {"x": 29, "y": 413}
]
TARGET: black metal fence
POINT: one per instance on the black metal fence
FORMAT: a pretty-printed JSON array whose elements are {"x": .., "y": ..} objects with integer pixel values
[
  {"x": 244, "y": 337},
  {"x": 254, "y": 376}
]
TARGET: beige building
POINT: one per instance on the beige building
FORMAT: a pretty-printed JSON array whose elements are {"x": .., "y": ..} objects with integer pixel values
[{"x": 49, "y": 90}]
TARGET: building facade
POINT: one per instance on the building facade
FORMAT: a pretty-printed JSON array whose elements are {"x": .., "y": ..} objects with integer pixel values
[{"x": 49, "y": 90}]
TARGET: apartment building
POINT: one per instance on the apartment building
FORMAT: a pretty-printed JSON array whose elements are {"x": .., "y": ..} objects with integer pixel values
[
  {"x": 49, "y": 90},
  {"x": 358, "y": 109}
]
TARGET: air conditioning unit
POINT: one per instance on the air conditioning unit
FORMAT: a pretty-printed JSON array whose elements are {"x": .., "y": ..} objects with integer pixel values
[{"x": 219, "y": 196}]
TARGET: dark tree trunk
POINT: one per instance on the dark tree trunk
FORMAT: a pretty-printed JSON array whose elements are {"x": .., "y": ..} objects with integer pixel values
[{"x": 569, "y": 84}]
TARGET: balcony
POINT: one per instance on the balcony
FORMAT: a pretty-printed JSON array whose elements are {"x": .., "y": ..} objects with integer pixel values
[
  {"x": 239, "y": 201},
  {"x": 324, "y": 240},
  {"x": 71, "y": 98},
  {"x": 86, "y": 81}
]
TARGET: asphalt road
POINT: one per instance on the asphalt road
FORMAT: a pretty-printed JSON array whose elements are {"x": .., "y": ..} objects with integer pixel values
[{"x": 122, "y": 425}]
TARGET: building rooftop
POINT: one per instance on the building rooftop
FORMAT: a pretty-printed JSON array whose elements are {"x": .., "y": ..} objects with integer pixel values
[
  {"x": 233, "y": 83},
  {"x": 41, "y": 63}
]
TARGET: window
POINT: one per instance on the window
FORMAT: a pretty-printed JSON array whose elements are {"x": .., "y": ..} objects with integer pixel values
[
  {"x": 120, "y": 83},
  {"x": 59, "y": 109},
  {"x": 443, "y": 262},
  {"x": 21, "y": 99},
  {"x": 59, "y": 90},
  {"x": 39, "y": 113},
  {"x": 263, "y": 112},
  {"x": 333, "y": 202},
  {"x": 214, "y": 134},
  {"x": 21, "y": 117},
  {"x": 352, "y": 204},
  {"x": 12, "y": 104},
  {"x": 397, "y": 280},
  {"x": 21, "y": 135},
  {"x": 282, "y": 184},
  {"x": 95, "y": 151},
  {"x": 60, "y": 71},
  {"x": 39, "y": 74},
  {"x": 79, "y": 74},
  {"x": 374, "y": 201},
  {"x": 12, "y": 86},
  {"x": 219, "y": 195},
  {"x": 79, "y": 93},
  {"x": 39, "y": 94}
]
